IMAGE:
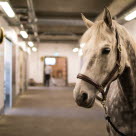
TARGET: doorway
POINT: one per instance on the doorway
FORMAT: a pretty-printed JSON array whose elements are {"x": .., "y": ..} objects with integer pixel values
[
  {"x": 59, "y": 70},
  {"x": 7, "y": 73}
]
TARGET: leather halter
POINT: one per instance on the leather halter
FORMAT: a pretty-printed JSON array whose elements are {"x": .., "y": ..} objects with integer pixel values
[{"x": 116, "y": 68}]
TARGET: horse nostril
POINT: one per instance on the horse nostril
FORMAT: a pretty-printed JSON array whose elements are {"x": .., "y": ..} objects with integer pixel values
[{"x": 84, "y": 97}]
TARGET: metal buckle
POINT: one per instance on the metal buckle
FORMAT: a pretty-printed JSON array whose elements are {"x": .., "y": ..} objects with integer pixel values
[
  {"x": 119, "y": 69},
  {"x": 119, "y": 48},
  {"x": 104, "y": 106}
]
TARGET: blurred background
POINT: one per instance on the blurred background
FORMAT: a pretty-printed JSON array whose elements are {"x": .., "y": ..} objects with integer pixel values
[{"x": 40, "y": 56}]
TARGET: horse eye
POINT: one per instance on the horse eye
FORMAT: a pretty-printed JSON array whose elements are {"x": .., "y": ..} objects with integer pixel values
[{"x": 106, "y": 51}]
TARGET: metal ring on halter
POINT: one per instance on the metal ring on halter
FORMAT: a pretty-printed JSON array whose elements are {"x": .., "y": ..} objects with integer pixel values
[{"x": 119, "y": 69}]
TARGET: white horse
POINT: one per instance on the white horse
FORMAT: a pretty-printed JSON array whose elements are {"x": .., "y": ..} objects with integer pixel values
[{"x": 109, "y": 69}]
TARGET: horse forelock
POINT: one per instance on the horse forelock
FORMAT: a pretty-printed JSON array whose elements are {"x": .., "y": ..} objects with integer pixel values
[
  {"x": 94, "y": 29},
  {"x": 99, "y": 30}
]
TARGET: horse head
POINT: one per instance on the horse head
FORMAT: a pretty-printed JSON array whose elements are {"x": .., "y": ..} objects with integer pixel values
[{"x": 99, "y": 58}]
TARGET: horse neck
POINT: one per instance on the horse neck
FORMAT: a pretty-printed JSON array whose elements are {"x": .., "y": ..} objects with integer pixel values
[{"x": 128, "y": 77}]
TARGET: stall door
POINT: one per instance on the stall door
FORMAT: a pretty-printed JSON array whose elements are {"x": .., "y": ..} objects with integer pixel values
[{"x": 8, "y": 73}]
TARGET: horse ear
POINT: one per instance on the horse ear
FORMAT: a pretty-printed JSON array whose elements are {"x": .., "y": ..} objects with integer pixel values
[
  {"x": 107, "y": 17},
  {"x": 87, "y": 22}
]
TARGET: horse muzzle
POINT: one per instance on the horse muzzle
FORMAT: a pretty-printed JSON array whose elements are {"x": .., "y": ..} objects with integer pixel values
[{"x": 84, "y": 101}]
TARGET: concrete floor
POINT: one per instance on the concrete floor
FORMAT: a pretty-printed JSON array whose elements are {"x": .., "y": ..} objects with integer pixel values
[{"x": 52, "y": 111}]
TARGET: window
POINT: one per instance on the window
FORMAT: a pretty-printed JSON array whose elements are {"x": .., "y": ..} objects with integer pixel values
[{"x": 50, "y": 61}]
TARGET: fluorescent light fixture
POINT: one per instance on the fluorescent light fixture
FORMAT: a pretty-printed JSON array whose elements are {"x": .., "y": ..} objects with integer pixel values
[
  {"x": 82, "y": 45},
  {"x": 30, "y": 43},
  {"x": 7, "y": 8},
  {"x": 130, "y": 16},
  {"x": 80, "y": 52},
  {"x": 75, "y": 50},
  {"x": 34, "y": 49},
  {"x": 24, "y": 34}
]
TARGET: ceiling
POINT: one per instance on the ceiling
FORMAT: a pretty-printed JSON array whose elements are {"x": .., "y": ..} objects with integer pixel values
[{"x": 55, "y": 20}]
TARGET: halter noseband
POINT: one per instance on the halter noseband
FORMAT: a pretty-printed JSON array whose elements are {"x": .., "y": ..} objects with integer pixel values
[{"x": 116, "y": 68}]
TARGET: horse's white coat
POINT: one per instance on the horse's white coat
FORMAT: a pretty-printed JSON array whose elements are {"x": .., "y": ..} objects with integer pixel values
[{"x": 121, "y": 100}]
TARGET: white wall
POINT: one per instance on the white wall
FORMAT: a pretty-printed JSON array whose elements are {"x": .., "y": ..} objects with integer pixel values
[
  {"x": 131, "y": 27},
  {"x": 48, "y": 49}
]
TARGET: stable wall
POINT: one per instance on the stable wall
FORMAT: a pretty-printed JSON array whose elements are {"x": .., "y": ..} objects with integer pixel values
[
  {"x": 131, "y": 27},
  {"x": 49, "y": 49}
]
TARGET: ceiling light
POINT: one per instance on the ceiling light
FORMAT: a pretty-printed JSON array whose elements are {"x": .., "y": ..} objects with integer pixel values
[
  {"x": 24, "y": 34},
  {"x": 7, "y": 8},
  {"x": 34, "y": 49},
  {"x": 30, "y": 43},
  {"x": 130, "y": 16},
  {"x": 75, "y": 50},
  {"x": 82, "y": 45}
]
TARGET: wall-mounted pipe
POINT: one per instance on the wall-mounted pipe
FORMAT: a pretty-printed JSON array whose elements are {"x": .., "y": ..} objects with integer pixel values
[{"x": 32, "y": 18}]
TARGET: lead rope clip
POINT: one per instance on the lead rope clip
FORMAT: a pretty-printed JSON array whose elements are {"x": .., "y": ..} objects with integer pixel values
[{"x": 104, "y": 106}]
